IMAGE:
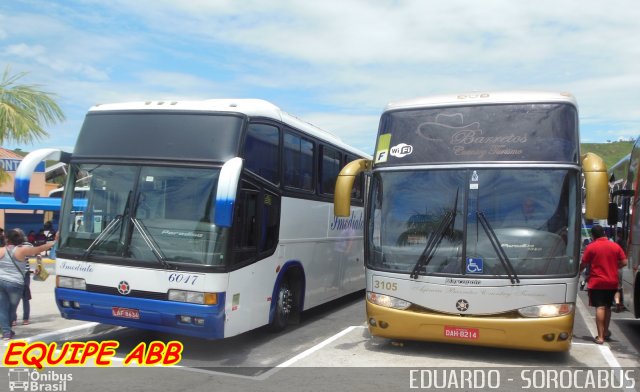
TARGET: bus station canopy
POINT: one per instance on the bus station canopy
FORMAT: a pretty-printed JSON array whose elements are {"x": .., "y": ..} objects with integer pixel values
[{"x": 38, "y": 203}]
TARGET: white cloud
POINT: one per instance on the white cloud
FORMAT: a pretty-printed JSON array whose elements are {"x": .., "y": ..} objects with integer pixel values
[
  {"x": 356, "y": 130},
  {"x": 348, "y": 57}
]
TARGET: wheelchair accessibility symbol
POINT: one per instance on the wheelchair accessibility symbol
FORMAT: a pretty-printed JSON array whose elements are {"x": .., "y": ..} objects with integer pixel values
[{"x": 475, "y": 266}]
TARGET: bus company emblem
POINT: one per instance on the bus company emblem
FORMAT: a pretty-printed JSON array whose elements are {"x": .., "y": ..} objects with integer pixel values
[
  {"x": 123, "y": 287},
  {"x": 401, "y": 150},
  {"x": 462, "y": 305}
]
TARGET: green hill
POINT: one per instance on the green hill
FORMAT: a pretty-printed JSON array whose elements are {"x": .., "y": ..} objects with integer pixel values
[{"x": 611, "y": 153}]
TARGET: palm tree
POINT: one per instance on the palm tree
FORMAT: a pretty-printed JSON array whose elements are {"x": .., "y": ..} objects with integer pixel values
[{"x": 24, "y": 110}]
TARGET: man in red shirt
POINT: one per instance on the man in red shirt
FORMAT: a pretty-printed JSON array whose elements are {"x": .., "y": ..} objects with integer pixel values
[{"x": 604, "y": 258}]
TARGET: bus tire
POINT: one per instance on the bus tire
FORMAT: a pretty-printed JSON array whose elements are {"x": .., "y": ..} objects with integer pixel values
[{"x": 284, "y": 307}]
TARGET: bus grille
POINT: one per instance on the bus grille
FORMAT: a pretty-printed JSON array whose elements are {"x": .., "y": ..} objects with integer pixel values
[
  {"x": 512, "y": 314},
  {"x": 133, "y": 294}
]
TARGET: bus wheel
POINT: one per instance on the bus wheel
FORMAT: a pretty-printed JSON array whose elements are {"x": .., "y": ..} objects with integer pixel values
[{"x": 284, "y": 308}]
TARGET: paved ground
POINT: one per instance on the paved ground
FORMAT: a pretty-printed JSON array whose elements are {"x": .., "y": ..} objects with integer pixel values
[
  {"x": 45, "y": 320},
  {"x": 350, "y": 346}
]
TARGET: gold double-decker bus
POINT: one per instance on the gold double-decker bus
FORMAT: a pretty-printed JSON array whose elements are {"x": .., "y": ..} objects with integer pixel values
[{"x": 472, "y": 225}]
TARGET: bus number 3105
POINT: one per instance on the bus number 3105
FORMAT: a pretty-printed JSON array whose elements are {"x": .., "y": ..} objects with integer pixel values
[{"x": 381, "y": 284}]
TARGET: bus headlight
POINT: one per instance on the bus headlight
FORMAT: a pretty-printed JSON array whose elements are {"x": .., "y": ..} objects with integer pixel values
[
  {"x": 387, "y": 301},
  {"x": 194, "y": 297},
  {"x": 70, "y": 283},
  {"x": 551, "y": 310}
]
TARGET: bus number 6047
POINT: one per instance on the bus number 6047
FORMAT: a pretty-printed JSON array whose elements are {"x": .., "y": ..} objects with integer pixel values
[{"x": 183, "y": 278}]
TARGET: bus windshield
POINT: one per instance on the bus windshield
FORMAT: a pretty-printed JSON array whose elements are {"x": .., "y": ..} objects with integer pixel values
[
  {"x": 476, "y": 222},
  {"x": 144, "y": 215}
]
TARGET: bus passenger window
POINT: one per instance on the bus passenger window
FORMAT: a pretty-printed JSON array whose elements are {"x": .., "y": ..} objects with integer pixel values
[
  {"x": 261, "y": 151},
  {"x": 298, "y": 162},
  {"x": 329, "y": 169}
]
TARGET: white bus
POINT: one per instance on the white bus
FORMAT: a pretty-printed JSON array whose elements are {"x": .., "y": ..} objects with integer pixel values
[
  {"x": 624, "y": 215},
  {"x": 79, "y": 192},
  {"x": 472, "y": 231},
  {"x": 206, "y": 218}
]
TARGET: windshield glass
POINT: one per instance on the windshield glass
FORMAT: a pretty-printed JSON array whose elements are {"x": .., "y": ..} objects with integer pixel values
[
  {"x": 483, "y": 222},
  {"x": 150, "y": 215}
]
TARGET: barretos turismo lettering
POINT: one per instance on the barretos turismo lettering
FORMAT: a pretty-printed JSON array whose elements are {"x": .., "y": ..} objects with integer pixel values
[
  {"x": 475, "y": 137},
  {"x": 39, "y": 354},
  {"x": 472, "y": 144},
  {"x": 351, "y": 223}
]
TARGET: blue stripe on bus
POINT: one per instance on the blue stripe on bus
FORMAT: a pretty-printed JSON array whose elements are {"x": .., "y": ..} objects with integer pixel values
[
  {"x": 274, "y": 296},
  {"x": 162, "y": 316},
  {"x": 24, "y": 171},
  {"x": 224, "y": 212},
  {"x": 21, "y": 189}
]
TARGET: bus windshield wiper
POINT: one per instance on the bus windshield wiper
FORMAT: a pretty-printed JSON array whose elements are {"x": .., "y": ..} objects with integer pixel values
[
  {"x": 102, "y": 236},
  {"x": 497, "y": 246},
  {"x": 155, "y": 249},
  {"x": 107, "y": 230},
  {"x": 435, "y": 239}
]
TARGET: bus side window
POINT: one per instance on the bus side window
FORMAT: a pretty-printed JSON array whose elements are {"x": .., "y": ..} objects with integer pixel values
[
  {"x": 298, "y": 162},
  {"x": 329, "y": 169},
  {"x": 262, "y": 151},
  {"x": 246, "y": 224},
  {"x": 256, "y": 223}
]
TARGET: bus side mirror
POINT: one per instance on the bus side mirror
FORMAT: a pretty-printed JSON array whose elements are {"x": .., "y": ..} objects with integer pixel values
[
  {"x": 227, "y": 190},
  {"x": 612, "y": 219},
  {"x": 344, "y": 185},
  {"x": 596, "y": 186},
  {"x": 28, "y": 166}
]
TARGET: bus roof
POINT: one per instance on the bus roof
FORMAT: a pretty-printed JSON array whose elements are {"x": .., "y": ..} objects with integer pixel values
[
  {"x": 482, "y": 98},
  {"x": 248, "y": 107}
]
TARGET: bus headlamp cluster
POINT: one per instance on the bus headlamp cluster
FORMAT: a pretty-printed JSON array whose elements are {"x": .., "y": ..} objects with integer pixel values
[
  {"x": 71, "y": 283},
  {"x": 550, "y": 310},
  {"x": 387, "y": 301},
  {"x": 194, "y": 297}
]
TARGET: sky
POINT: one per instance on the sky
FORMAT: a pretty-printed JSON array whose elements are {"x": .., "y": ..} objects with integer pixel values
[{"x": 334, "y": 63}]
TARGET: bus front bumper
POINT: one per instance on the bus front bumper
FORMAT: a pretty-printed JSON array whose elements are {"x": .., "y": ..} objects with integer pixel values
[
  {"x": 205, "y": 321},
  {"x": 541, "y": 334}
]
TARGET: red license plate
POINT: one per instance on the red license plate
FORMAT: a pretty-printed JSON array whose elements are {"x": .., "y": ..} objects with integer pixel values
[
  {"x": 125, "y": 312},
  {"x": 461, "y": 332}
]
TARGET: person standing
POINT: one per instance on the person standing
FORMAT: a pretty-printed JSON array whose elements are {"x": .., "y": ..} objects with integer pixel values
[
  {"x": 604, "y": 258},
  {"x": 26, "y": 294},
  {"x": 618, "y": 298},
  {"x": 12, "y": 270}
]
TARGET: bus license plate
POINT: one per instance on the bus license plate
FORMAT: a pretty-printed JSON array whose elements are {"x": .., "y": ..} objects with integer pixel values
[
  {"x": 461, "y": 332},
  {"x": 125, "y": 312}
]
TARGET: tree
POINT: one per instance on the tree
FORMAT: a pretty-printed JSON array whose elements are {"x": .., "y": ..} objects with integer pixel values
[{"x": 24, "y": 110}]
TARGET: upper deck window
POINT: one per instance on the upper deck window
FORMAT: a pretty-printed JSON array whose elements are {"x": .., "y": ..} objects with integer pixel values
[
  {"x": 482, "y": 133},
  {"x": 175, "y": 135}
]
